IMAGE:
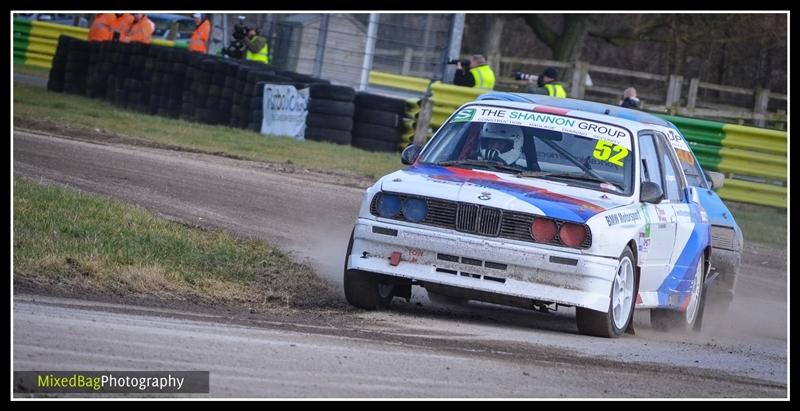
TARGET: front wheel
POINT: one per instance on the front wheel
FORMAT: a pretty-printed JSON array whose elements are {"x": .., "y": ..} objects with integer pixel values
[
  {"x": 364, "y": 289},
  {"x": 613, "y": 323},
  {"x": 692, "y": 318}
]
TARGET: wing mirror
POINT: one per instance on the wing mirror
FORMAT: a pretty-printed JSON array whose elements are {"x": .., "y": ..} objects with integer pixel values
[
  {"x": 650, "y": 192},
  {"x": 410, "y": 154},
  {"x": 716, "y": 179}
]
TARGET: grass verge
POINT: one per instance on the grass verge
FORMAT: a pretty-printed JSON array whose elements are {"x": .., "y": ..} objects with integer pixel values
[
  {"x": 759, "y": 224},
  {"x": 87, "y": 241},
  {"x": 35, "y": 103},
  {"x": 31, "y": 70}
]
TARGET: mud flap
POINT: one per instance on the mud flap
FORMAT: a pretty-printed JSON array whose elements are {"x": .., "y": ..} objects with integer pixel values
[{"x": 630, "y": 329}]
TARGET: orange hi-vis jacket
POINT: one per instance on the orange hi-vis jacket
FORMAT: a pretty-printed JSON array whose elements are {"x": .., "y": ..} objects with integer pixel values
[
  {"x": 140, "y": 32},
  {"x": 101, "y": 27},
  {"x": 122, "y": 24},
  {"x": 199, "y": 40}
]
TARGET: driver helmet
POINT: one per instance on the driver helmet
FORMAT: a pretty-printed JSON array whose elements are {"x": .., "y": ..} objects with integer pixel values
[{"x": 501, "y": 140}]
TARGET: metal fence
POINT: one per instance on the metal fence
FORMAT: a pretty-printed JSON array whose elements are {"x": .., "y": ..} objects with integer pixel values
[{"x": 333, "y": 45}]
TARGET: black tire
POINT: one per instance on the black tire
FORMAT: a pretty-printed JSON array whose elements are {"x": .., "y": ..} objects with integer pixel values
[
  {"x": 381, "y": 118},
  {"x": 674, "y": 320},
  {"x": 361, "y": 288},
  {"x": 328, "y": 134},
  {"x": 603, "y": 324},
  {"x": 339, "y": 108},
  {"x": 375, "y": 132},
  {"x": 378, "y": 102},
  {"x": 329, "y": 121},
  {"x": 376, "y": 145},
  {"x": 336, "y": 93}
]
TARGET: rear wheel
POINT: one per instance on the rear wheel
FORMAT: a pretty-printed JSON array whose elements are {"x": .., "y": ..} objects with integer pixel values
[
  {"x": 613, "y": 323},
  {"x": 692, "y": 317}
]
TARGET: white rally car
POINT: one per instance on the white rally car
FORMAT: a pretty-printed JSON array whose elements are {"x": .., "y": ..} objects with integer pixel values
[{"x": 535, "y": 206}]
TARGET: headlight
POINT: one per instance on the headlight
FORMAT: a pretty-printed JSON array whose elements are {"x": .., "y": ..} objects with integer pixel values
[
  {"x": 388, "y": 205},
  {"x": 415, "y": 209}
]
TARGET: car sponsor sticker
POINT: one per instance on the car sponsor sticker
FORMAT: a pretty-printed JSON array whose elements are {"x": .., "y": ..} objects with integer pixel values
[{"x": 614, "y": 136}]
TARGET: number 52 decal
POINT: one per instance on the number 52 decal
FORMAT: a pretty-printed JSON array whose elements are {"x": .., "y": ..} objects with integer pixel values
[{"x": 603, "y": 150}]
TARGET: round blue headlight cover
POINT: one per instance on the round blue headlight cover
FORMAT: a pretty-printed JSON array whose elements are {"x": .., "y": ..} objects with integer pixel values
[
  {"x": 415, "y": 209},
  {"x": 388, "y": 205}
]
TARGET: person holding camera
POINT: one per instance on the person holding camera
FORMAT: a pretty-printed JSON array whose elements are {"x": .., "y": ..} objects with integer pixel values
[
  {"x": 474, "y": 72},
  {"x": 547, "y": 84},
  {"x": 256, "y": 46}
]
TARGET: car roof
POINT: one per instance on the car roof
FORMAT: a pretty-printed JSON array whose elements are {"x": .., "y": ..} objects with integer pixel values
[
  {"x": 579, "y": 105},
  {"x": 166, "y": 16},
  {"x": 633, "y": 124}
]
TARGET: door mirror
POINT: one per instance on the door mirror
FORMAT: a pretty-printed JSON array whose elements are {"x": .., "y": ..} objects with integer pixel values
[
  {"x": 650, "y": 192},
  {"x": 716, "y": 179},
  {"x": 410, "y": 154}
]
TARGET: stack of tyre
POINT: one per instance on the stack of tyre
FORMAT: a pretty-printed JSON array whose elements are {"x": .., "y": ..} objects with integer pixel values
[
  {"x": 98, "y": 70},
  {"x": 167, "y": 82},
  {"x": 76, "y": 67},
  {"x": 136, "y": 84},
  {"x": 380, "y": 122},
  {"x": 251, "y": 101},
  {"x": 55, "y": 81},
  {"x": 330, "y": 113}
]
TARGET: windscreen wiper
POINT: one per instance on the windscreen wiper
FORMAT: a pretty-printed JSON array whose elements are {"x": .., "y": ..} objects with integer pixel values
[
  {"x": 571, "y": 176},
  {"x": 490, "y": 164}
]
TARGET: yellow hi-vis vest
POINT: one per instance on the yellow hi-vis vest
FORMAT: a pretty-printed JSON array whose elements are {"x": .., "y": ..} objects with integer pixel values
[
  {"x": 262, "y": 55},
  {"x": 484, "y": 77},
  {"x": 556, "y": 90}
]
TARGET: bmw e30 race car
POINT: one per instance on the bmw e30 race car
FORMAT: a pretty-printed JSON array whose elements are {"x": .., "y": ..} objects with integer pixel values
[
  {"x": 532, "y": 205},
  {"x": 726, "y": 236}
]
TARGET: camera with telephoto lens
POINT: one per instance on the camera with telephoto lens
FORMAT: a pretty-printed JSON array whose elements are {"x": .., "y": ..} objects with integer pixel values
[
  {"x": 464, "y": 63},
  {"x": 518, "y": 75},
  {"x": 240, "y": 32}
]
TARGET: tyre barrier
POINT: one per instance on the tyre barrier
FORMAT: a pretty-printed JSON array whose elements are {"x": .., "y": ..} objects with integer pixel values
[
  {"x": 169, "y": 82},
  {"x": 380, "y": 122},
  {"x": 330, "y": 114}
]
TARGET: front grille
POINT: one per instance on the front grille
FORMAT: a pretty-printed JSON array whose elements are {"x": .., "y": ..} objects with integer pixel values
[
  {"x": 476, "y": 219},
  {"x": 723, "y": 237}
]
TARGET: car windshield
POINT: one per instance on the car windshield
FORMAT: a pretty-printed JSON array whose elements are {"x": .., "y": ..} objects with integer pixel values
[
  {"x": 531, "y": 144},
  {"x": 164, "y": 25},
  {"x": 691, "y": 168}
]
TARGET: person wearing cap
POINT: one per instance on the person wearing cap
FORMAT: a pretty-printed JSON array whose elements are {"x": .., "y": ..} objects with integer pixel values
[
  {"x": 477, "y": 75},
  {"x": 547, "y": 84},
  {"x": 256, "y": 46},
  {"x": 199, "y": 41},
  {"x": 141, "y": 30}
]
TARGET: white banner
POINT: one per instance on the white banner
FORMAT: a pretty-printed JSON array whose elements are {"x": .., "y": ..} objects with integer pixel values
[{"x": 285, "y": 110}]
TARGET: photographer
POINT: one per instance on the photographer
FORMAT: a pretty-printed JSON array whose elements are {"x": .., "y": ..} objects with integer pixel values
[
  {"x": 236, "y": 49},
  {"x": 256, "y": 45},
  {"x": 476, "y": 74},
  {"x": 546, "y": 84}
]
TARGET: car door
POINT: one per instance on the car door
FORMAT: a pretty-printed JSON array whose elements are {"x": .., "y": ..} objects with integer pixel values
[
  {"x": 689, "y": 236},
  {"x": 657, "y": 239}
]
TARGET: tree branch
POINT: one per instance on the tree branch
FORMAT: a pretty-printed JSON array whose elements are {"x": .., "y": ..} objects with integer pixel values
[{"x": 545, "y": 33}]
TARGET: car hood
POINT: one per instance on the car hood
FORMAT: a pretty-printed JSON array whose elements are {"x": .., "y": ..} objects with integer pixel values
[{"x": 500, "y": 190}]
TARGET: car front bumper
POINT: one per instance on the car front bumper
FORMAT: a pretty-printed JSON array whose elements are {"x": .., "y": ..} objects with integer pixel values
[{"x": 449, "y": 258}]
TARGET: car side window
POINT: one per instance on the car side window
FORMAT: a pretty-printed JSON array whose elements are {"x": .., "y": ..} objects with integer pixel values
[
  {"x": 672, "y": 182},
  {"x": 650, "y": 168}
]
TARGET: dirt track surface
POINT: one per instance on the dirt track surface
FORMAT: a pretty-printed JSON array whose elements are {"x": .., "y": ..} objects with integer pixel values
[{"x": 415, "y": 349}]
